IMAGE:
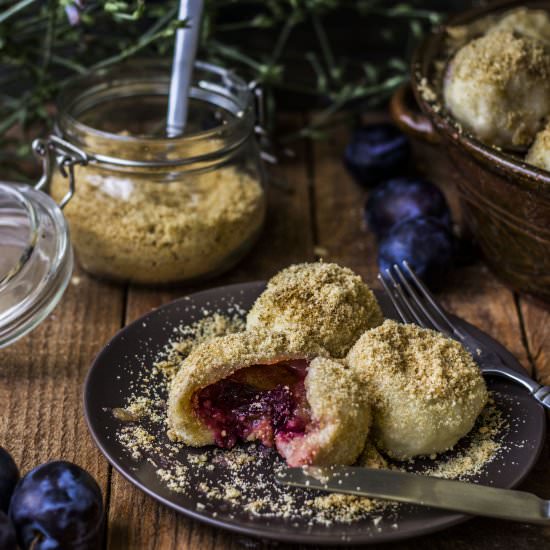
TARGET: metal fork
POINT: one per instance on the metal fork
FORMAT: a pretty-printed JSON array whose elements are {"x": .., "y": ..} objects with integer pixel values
[{"x": 414, "y": 303}]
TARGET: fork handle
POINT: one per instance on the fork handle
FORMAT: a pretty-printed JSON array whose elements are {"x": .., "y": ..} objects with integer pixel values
[
  {"x": 542, "y": 395},
  {"x": 538, "y": 391}
]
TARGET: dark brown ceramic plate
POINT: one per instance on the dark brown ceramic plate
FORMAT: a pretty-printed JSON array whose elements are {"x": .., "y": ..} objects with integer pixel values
[{"x": 123, "y": 360}]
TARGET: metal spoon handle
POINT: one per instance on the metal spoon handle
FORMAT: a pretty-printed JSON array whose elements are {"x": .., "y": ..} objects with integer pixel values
[{"x": 185, "y": 51}]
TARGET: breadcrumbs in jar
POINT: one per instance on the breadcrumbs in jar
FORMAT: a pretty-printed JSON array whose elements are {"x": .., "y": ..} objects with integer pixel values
[{"x": 152, "y": 209}]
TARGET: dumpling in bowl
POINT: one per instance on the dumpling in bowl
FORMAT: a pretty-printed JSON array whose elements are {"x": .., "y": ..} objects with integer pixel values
[
  {"x": 525, "y": 22},
  {"x": 426, "y": 389},
  {"x": 498, "y": 88},
  {"x": 539, "y": 153},
  {"x": 259, "y": 386},
  {"x": 318, "y": 302}
]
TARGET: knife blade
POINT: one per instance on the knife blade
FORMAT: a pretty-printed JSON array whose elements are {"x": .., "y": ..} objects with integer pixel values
[{"x": 457, "y": 496}]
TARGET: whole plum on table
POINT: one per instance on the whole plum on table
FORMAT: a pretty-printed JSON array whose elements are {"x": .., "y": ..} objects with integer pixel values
[
  {"x": 425, "y": 243},
  {"x": 57, "y": 506},
  {"x": 7, "y": 533},
  {"x": 401, "y": 199},
  {"x": 9, "y": 475},
  {"x": 376, "y": 152}
]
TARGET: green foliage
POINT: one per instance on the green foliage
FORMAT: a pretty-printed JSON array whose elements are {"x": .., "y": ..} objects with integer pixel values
[{"x": 46, "y": 43}]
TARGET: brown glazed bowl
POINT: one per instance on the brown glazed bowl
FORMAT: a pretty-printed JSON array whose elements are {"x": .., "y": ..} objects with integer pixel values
[{"x": 505, "y": 202}]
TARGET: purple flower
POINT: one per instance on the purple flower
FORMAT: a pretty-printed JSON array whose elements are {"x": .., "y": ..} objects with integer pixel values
[{"x": 73, "y": 11}]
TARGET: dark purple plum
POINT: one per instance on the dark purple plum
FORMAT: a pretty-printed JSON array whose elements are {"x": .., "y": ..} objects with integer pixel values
[
  {"x": 425, "y": 243},
  {"x": 7, "y": 533},
  {"x": 9, "y": 475},
  {"x": 57, "y": 506},
  {"x": 401, "y": 199},
  {"x": 376, "y": 152}
]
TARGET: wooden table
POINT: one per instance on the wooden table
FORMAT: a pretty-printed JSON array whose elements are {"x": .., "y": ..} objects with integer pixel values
[{"x": 319, "y": 213}]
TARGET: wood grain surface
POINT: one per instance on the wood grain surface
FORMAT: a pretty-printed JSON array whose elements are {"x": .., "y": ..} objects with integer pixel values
[{"x": 315, "y": 210}]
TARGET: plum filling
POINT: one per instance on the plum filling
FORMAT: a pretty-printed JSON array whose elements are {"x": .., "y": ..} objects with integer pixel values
[{"x": 262, "y": 402}]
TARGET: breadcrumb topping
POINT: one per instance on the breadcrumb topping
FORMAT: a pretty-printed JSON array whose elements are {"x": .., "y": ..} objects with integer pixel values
[
  {"x": 420, "y": 362},
  {"x": 498, "y": 55},
  {"x": 426, "y": 389},
  {"x": 319, "y": 302},
  {"x": 240, "y": 480}
]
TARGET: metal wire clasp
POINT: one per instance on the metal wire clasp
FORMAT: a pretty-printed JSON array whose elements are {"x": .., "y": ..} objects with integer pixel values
[
  {"x": 259, "y": 125},
  {"x": 66, "y": 156},
  {"x": 267, "y": 147}
]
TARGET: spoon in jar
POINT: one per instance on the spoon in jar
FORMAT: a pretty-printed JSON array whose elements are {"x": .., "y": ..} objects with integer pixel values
[{"x": 185, "y": 50}]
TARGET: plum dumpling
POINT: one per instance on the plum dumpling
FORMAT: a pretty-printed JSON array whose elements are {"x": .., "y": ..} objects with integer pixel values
[
  {"x": 539, "y": 153},
  {"x": 259, "y": 386},
  {"x": 426, "y": 389},
  {"x": 498, "y": 88},
  {"x": 525, "y": 22},
  {"x": 321, "y": 303}
]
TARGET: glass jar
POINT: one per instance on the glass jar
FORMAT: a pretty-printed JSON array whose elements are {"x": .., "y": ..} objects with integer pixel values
[
  {"x": 152, "y": 209},
  {"x": 36, "y": 259}
]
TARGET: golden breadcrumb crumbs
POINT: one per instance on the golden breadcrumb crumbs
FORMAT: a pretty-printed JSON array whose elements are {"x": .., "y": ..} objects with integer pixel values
[
  {"x": 151, "y": 228},
  {"x": 242, "y": 478},
  {"x": 190, "y": 336},
  {"x": 320, "y": 303},
  {"x": 499, "y": 54}
]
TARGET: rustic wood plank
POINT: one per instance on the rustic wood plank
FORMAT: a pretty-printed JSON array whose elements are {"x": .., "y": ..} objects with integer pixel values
[
  {"x": 41, "y": 379},
  {"x": 340, "y": 226},
  {"x": 536, "y": 320},
  {"x": 135, "y": 520}
]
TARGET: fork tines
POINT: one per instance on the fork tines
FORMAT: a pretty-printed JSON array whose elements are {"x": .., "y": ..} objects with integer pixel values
[{"x": 413, "y": 302}]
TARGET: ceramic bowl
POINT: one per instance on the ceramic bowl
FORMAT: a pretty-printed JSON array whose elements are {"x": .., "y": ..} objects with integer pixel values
[{"x": 506, "y": 202}]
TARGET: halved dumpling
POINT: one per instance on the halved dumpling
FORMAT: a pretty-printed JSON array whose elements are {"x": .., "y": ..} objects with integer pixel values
[{"x": 257, "y": 385}]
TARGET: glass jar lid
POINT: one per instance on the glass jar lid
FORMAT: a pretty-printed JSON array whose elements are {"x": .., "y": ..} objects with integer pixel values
[{"x": 36, "y": 259}]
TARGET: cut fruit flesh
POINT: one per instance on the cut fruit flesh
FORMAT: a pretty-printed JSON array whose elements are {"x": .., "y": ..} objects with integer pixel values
[{"x": 261, "y": 402}]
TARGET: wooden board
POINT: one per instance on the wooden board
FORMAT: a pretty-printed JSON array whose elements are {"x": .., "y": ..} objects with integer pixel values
[
  {"x": 536, "y": 321},
  {"x": 317, "y": 214},
  {"x": 41, "y": 379}
]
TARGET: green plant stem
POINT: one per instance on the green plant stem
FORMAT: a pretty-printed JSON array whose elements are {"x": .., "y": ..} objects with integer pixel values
[
  {"x": 410, "y": 13},
  {"x": 239, "y": 26},
  {"x": 322, "y": 82},
  {"x": 282, "y": 39},
  {"x": 234, "y": 54},
  {"x": 49, "y": 37},
  {"x": 42, "y": 51},
  {"x": 324, "y": 43},
  {"x": 11, "y": 119},
  {"x": 162, "y": 21},
  {"x": 125, "y": 54},
  {"x": 10, "y": 12}
]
